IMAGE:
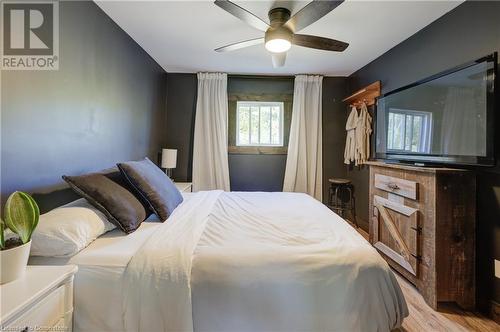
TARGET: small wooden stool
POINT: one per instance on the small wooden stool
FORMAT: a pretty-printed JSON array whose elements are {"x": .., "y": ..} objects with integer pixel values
[{"x": 341, "y": 198}]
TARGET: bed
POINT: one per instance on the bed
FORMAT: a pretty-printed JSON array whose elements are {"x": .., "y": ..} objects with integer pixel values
[{"x": 236, "y": 262}]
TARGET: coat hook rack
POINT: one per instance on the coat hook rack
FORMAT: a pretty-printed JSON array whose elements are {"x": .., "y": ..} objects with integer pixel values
[{"x": 366, "y": 95}]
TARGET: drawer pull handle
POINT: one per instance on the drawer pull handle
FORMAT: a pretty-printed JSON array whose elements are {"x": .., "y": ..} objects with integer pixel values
[{"x": 393, "y": 186}]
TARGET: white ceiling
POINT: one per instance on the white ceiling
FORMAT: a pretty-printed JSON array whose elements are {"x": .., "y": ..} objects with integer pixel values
[{"x": 182, "y": 35}]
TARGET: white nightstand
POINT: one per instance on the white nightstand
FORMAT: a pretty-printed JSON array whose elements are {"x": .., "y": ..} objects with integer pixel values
[
  {"x": 42, "y": 300},
  {"x": 184, "y": 187}
]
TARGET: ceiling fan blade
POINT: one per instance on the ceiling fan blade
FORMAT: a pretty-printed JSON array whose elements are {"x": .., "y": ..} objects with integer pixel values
[
  {"x": 319, "y": 43},
  {"x": 242, "y": 14},
  {"x": 238, "y": 45},
  {"x": 311, "y": 13},
  {"x": 278, "y": 59}
]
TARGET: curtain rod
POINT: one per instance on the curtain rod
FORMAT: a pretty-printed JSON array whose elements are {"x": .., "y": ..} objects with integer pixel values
[{"x": 259, "y": 76}]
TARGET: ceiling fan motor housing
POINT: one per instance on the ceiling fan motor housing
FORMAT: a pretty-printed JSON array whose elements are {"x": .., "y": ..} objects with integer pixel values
[{"x": 278, "y": 17}]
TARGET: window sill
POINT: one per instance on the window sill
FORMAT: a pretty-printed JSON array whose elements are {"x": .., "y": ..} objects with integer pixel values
[{"x": 282, "y": 150}]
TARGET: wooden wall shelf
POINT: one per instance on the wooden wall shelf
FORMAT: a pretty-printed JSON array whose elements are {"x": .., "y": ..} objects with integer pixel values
[{"x": 366, "y": 95}]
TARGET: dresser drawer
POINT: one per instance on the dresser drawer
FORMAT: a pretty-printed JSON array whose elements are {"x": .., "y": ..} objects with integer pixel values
[
  {"x": 48, "y": 312},
  {"x": 401, "y": 187},
  {"x": 65, "y": 323}
]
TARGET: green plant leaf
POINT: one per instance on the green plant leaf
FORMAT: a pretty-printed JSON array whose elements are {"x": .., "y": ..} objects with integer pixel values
[
  {"x": 37, "y": 215},
  {"x": 21, "y": 215},
  {"x": 2, "y": 238}
]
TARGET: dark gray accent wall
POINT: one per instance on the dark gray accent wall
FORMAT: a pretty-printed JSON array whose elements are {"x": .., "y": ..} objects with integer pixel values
[
  {"x": 258, "y": 172},
  {"x": 105, "y": 104},
  {"x": 254, "y": 172},
  {"x": 335, "y": 115},
  {"x": 182, "y": 92},
  {"x": 468, "y": 32}
]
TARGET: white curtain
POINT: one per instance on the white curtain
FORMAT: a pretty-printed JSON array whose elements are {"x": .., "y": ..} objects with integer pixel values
[
  {"x": 210, "y": 164},
  {"x": 304, "y": 164},
  {"x": 460, "y": 126}
]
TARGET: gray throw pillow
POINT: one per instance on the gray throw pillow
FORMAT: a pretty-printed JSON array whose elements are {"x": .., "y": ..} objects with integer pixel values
[
  {"x": 153, "y": 185},
  {"x": 111, "y": 194}
]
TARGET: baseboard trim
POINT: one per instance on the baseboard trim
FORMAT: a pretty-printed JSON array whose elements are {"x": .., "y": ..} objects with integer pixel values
[{"x": 495, "y": 311}]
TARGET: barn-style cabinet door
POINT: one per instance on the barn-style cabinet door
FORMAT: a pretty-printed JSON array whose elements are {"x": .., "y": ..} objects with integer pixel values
[{"x": 396, "y": 231}]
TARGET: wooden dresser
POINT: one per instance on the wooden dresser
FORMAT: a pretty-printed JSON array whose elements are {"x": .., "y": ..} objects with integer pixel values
[{"x": 422, "y": 221}]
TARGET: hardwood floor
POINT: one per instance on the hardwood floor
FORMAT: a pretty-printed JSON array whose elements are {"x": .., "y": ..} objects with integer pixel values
[{"x": 449, "y": 318}]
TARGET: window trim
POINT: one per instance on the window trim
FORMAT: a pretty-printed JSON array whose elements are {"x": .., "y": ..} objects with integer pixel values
[{"x": 249, "y": 104}]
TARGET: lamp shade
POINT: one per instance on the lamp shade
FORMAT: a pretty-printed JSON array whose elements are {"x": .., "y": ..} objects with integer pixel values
[{"x": 168, "y": 158}]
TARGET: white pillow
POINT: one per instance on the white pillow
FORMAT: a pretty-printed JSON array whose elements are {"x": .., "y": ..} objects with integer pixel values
[{"x": 68, "y": 229}]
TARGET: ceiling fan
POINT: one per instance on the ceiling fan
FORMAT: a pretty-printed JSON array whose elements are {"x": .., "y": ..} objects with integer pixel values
[{"x": 280, "y": 33}]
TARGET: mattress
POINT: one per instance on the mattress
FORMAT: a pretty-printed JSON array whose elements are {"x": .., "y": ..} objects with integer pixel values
[{"x": 98, "y": 283}]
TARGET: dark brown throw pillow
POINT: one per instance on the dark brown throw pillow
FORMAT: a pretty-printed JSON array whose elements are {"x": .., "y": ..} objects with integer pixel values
[
  {"x": 154, "y": 185},
  {"x": 111, "y": 194}
]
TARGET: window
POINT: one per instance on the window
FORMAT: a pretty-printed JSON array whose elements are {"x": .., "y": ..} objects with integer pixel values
[
  {"x": 259, "y": 123},
  {"x": 409, "y": 131}
]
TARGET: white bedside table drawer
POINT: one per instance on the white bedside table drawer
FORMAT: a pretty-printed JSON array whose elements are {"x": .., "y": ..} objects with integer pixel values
[
  {"x": 184, "y": 187},
  {"x": 39, "y": 301},
  {"x": 50, "y": 311}
]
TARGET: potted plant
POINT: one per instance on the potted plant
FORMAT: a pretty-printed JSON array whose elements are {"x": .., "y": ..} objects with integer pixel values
[{"x": 21, "y": 214}]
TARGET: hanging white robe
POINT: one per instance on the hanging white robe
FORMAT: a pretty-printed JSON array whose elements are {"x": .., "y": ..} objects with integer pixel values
[
  {"x": 363, "y": 131},
  {"x": 350, "y": 142}
]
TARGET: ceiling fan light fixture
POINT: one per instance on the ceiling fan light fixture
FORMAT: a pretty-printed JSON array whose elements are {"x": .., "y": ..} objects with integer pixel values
[
  {"x": 278, "y": 40},
  {"x": 278, "y": 45}
]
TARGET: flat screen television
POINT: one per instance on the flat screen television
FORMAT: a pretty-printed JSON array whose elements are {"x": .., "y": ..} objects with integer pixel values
[{"x": 445, "y": 119}]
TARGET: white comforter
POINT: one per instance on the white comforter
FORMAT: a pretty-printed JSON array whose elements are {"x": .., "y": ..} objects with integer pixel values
[{"x": 259, "y": 262}]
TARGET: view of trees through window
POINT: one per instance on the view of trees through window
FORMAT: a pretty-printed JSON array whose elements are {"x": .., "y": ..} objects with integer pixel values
[
  {"x": 259, "y": 123},
  {"x": 409, "y": 131}
]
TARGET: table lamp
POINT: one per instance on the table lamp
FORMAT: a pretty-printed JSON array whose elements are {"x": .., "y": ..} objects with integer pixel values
[{"x": 169, "y": 160}]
